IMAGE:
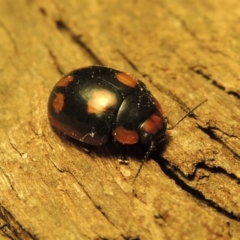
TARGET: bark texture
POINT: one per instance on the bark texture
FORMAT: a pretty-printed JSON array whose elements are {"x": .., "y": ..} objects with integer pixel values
[{"x": 184, "y": 51}]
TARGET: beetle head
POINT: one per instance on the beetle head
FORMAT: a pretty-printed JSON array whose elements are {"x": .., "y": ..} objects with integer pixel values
[{"x": 153, "y": 129}]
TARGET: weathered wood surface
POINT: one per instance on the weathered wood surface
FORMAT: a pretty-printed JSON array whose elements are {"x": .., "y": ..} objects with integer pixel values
[{"x": 185, "y": 52}]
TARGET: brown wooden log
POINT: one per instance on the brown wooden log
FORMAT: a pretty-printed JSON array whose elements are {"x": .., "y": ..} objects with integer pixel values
[{"x": 185, "y": 52}]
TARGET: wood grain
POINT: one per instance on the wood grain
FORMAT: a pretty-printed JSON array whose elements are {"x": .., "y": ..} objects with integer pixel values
[{"x": 185, "y": 52}]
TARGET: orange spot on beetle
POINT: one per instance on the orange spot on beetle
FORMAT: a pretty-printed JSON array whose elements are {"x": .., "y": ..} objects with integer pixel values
[
  {"x": 100, "y": 101},
  {"x": 125, "y": 136},
  {"x": 64, "y": 81},
  {"x": 153, "y": 124},
  {"x": 58, "y": 102},
  {"x": 126, "y": 79}
]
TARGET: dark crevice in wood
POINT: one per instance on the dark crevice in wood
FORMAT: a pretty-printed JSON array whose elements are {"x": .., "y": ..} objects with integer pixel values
[
  {"x": 235, "y": 94},
  {"x": 58, "y": 67},
  {"x": 131, "y": 238},
  {"x": 214, "y": 82},
  {"x": 61, "y": 26},
  {"x": 219, "y": 170},
  {"x": 210, "y": 132},
  {"x": 208, "y": 77},
  {"x": 43, "y": 11},
  {"x": 218, "y": 85},
  {"x": 77, "y": 39},
  {"x": 104, "y": 214},
  {"x": 203, "y": 165},
  {"x": 128, "y": 61},
  {"x": 12, "y": 228},
  {"x": 172, "y": 172}
]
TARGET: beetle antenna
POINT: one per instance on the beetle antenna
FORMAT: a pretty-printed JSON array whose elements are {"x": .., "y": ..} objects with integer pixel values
[
  {"x": 151, "y": 148},
  {"x": 172, "y": 127}
]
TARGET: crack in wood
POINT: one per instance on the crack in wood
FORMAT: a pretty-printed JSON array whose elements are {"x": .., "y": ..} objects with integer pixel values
[
  {"x": 43, "y": 11},
  {"x": 77, "y": 39},
  {"x": 54, "y": 58},
  {"x": 209, "y": 131},
  {"x": 11, "y": 228},
  {"x": 208, "y": 77},
  {"x": 128, "y": 60},
  {"x": 172, "y": 172}
]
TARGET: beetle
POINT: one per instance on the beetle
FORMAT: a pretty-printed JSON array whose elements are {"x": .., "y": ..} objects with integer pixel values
[
  {"x": 95, "y": 103},
  {"x": 92, "y": 103}
]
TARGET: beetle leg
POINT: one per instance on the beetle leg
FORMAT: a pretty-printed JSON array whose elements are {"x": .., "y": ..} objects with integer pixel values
[
  {"x": 123, "y": 152},
  {"x": 123, "y": 160},
  {"x": 123, "y": 156},
  {"x": 87, "y": 149},
  {"x": 145, "y": 158}
]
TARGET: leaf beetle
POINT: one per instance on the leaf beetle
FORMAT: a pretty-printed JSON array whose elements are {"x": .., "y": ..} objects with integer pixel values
[{"x": 95, "y": 103}]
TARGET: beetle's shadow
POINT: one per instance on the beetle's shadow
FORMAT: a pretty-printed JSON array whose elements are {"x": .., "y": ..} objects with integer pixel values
[
  {"x": 114, "y": 150},
  {"x": 117, "y": 151}
]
